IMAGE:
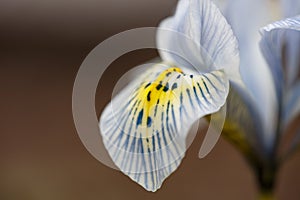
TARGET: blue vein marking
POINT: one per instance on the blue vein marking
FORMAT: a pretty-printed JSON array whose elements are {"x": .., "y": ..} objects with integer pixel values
[
  {"x": 175, "y": 146},
  {"x": 197, "y": 98},
  {"x": 181, "y": 106},
  {"x": 174, "y": 118},
  {"x": 119, "y": 138},
  {"x": 136, "y": 103},
  {"x": 139, "y": 150},
  {"x": 221, "y": 82},
  {"x": 158, "y": 140},
  {"x": 144, "y": 163},
  {"x": 132, "y": 153},
  {"x": 159, "y": 147},
  {"x": 155, "y": 110},
  {"x": 174, "y": 86},
  {"x": 155, "y": 163},
  {"x": 216, "y": 89},
  {"x": 202, "y": 93},
  {"x": 206, "y": 104},
  {"x": 124, "y": 119},
  {"x": 137, "y": 159},
  {"x": 166, "y": 87},
  {"x": 189, "y": 95},
  {"x": 124, "y": 106},
  {"x": 140, "y": 117},
  {"x": 167, "y": 121},
  {"x": 164, "y": 137},
  {"x": 149, "y": 121},
  {"x": 170, "y": 135},
  {"x": 151, "y": 167},
  {"x": 116, "y": 127},
  {"x": 153, "y": 143},
  {"x": 132, "y": 145},
  {"x": 126, "y": 146},
  {"x": 205, "y": 86}
]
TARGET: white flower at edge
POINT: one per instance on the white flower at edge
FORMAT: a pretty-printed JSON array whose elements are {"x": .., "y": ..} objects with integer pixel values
[{"x": 269, "y": 65}]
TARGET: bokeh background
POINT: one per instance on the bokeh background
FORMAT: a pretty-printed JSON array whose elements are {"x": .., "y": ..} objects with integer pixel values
[{"x": 42, "y": 45}]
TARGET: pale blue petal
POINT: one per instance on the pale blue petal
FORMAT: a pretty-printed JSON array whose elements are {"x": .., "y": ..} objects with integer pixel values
[
  {"x": 246, "y": 18},
  {"x": 281, "y": 46},
  {"x": 290, "y": 7},
  {"x": 291, "y": 105},
  {"x": 144, "y": 128},
  {"x": 221, "y": 4},
  {"x": 209, "y": 43},
  {"x": 244, "y": 119}
]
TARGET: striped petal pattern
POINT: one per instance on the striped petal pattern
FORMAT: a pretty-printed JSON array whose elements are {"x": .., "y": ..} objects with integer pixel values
[
  {"x": 144, "y": 127},
  {"x": 209, "y": 43}
]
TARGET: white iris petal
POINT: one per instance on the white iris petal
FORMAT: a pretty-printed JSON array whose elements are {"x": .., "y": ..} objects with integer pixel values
[
  {"x": 215, "y": 46},
  {"x": 145, "y": 127},
  {"x": 290, "y": 8},
  {"x": 276, "y": 37},
  {"x": 246, "y": 18}
]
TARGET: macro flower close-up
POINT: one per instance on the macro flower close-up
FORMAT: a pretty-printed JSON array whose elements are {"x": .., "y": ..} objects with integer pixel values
[
  {"x": 208, "y": 52},
  {"x": 139, "y": 99}
]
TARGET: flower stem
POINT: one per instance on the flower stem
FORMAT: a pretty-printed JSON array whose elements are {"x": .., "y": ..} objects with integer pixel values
[
  {"x": 266, "y": 196},
  {"x": 266, "y": 177}
]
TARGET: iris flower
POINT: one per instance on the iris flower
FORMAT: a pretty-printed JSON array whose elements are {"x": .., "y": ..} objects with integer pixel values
[
  {"x": 260, "y": 115},
  {"x": 144, "y": 128}
]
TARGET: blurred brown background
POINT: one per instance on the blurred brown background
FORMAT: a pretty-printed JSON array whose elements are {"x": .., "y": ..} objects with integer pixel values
[{"x": 42, "y": 44}]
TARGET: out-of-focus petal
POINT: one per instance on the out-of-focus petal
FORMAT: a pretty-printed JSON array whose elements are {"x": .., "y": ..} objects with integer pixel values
[
  {"x": 221, "y": 4},
  {"x": 246, "y": 18},
  {"x": 243, "y": 124},
  {"x": 291, "y": 105},
  {"x": 209, "y": 43},
  {"x": 290, "y": 7},
  {"x": 281, "y": 47},
  {"x": 144, "y": 128}
]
